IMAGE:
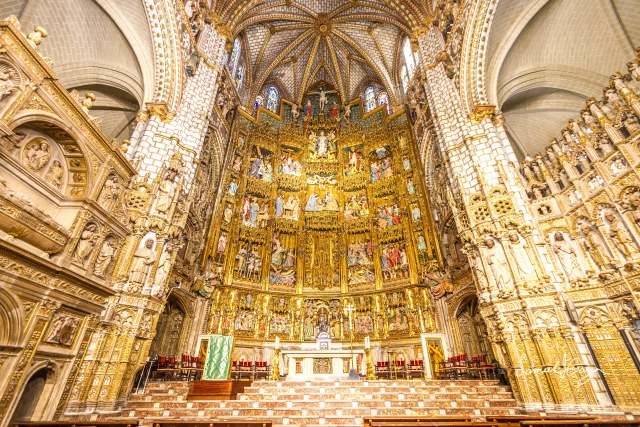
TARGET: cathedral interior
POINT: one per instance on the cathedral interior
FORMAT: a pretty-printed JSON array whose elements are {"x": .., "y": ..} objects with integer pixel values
[{"x": 433, "y": 192}]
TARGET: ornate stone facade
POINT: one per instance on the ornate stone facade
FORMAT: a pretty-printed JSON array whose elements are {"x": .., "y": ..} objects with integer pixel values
[{"x": 219, "y": 214}]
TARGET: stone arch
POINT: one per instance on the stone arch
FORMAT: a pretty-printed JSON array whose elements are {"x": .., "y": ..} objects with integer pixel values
[
  {"x": 78, "y": 177},
  {"x": 12, "y": 321},
  {"x": 174, "y": 325},
  {"x": 37, "y": 392}
]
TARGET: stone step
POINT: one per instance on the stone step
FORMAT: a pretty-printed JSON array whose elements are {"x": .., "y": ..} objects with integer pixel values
[
  {"x": 330, "y": 404},
  {"x": 373, "y": 396}
]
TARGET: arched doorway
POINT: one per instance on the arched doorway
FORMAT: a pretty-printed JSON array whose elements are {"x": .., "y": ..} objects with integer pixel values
[
  {"x": 169, "y": 331},
  {"x": 35, "y": 396},
  {"x": 472, "y": 329}
]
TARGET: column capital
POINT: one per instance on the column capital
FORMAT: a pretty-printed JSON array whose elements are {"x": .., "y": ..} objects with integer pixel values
[
  {"x": 160, "y": 110},
  {"x": 482, "y": 112}
]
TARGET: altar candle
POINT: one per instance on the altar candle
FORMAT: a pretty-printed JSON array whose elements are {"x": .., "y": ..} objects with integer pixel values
[
  {"x": 367, "y": 342},
  {"x": 277, "y": 342}
]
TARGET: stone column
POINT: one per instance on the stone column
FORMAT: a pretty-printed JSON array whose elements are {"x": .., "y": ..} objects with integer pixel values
[
  {"x": 497, "y": 224},
  {"x": 166, "y": 151}
]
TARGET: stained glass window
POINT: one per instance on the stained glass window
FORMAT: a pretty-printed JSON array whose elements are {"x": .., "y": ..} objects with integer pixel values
[
  {"x": 383, "y": 99},
  {"x": 405, "y": 78},
  {"x": 235, "y": 55},
  {"x": 272, "y": 99},
  {"x": 369, "y": 99}
]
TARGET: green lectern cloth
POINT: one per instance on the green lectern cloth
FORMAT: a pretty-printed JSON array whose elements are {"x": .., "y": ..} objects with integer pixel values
[{"x": 218, "y": 361}]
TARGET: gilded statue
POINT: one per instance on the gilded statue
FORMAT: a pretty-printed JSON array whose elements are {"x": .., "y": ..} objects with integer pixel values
[
  {"x": 620, "y": 236},
  {"x": 594, "y": 247},
  {"x": 567, "y": 256},
  {"x": 517, "y": 248}
]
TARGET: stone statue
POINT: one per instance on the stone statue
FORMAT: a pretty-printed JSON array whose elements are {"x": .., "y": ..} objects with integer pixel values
[
  {"x": 518, "y": 251},
  {"x": 166, "y": 192},
  {"x": 164, "y": 267},
  {"x": 109, "y": 193},
  {"x": 499, "y": 267},
  {"x": 8, "y": 81},
  {"x": 55, "y": 175},
  {"x": 86, "y": 243},
  {"x": 620, "y": 236},
  {"x": 632, "y": 204},
  {"x": 475, "y": 263},
  {"x": 567, "y": 256},
  {"x": 37, "y": 154},
  {"x": 594, "y": 247},
  {"x": 105, "y": 257},
  {"x": 143, "y": 258}
]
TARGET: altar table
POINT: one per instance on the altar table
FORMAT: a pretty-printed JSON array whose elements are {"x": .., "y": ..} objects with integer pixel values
[{"x": 312, "y": 364}]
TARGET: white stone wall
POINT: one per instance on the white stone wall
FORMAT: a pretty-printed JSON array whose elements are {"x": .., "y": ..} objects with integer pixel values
[{"x": 188, "y": 127}]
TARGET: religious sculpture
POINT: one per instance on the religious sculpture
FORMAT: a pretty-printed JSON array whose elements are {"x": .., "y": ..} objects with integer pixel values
[
  {"x": 499, "y": 267},
  {"x": 567, "y": 256},
  {"x": 8, "y": 81},
  {"x": 105, "y": 257},
  {"x": 166, "y": 191},
  {"x": 87, "y": 241},
  {"x": 620, "y": 235},
  {"x": 110, "y": 191},
  {"x": 162, "y": 272},
  {"x": 518, "y": 250},
  {"x": 143, "y": 259},
  {"x": 594, "y": 247},
  {"x": 37, "y": 154},
  {"x": 55, "y": 174},
  {"x": 347, "y": 113},
  {"x": 295, "y": 113}
]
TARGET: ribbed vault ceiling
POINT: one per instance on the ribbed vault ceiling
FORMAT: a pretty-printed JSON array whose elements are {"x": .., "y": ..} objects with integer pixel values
[
  {"x": 546, "y": 57},
  {"x": 297, "y": 43}
]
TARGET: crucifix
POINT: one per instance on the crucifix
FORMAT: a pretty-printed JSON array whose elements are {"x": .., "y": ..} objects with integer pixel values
[{"x": 323, "y": 97}]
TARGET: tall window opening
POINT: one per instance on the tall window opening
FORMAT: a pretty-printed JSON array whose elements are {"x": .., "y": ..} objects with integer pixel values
[
  {"x": 272, "y": 99},
  {"x": 369, "y": 99}
]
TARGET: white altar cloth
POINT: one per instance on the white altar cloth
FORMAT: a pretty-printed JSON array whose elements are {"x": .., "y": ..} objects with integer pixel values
[{"x": 312, "y": 364}]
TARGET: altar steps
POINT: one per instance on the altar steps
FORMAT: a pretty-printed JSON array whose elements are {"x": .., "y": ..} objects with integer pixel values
[{"x": 314, "y": 403}]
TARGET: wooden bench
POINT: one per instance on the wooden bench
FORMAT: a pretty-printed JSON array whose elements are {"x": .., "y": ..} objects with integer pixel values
[
  {"x": 434, "y": 424},
  {"x": 574, "y": 422},
  {"x": 105, "y": 423},
  {"x": 416, "y": 419},
  {"x": 212, "y": 423},
  {"x": 515, "y": 420}
]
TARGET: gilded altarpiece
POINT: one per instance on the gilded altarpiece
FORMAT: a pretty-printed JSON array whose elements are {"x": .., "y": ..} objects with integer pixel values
[{"x": 314, "y": 215}]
